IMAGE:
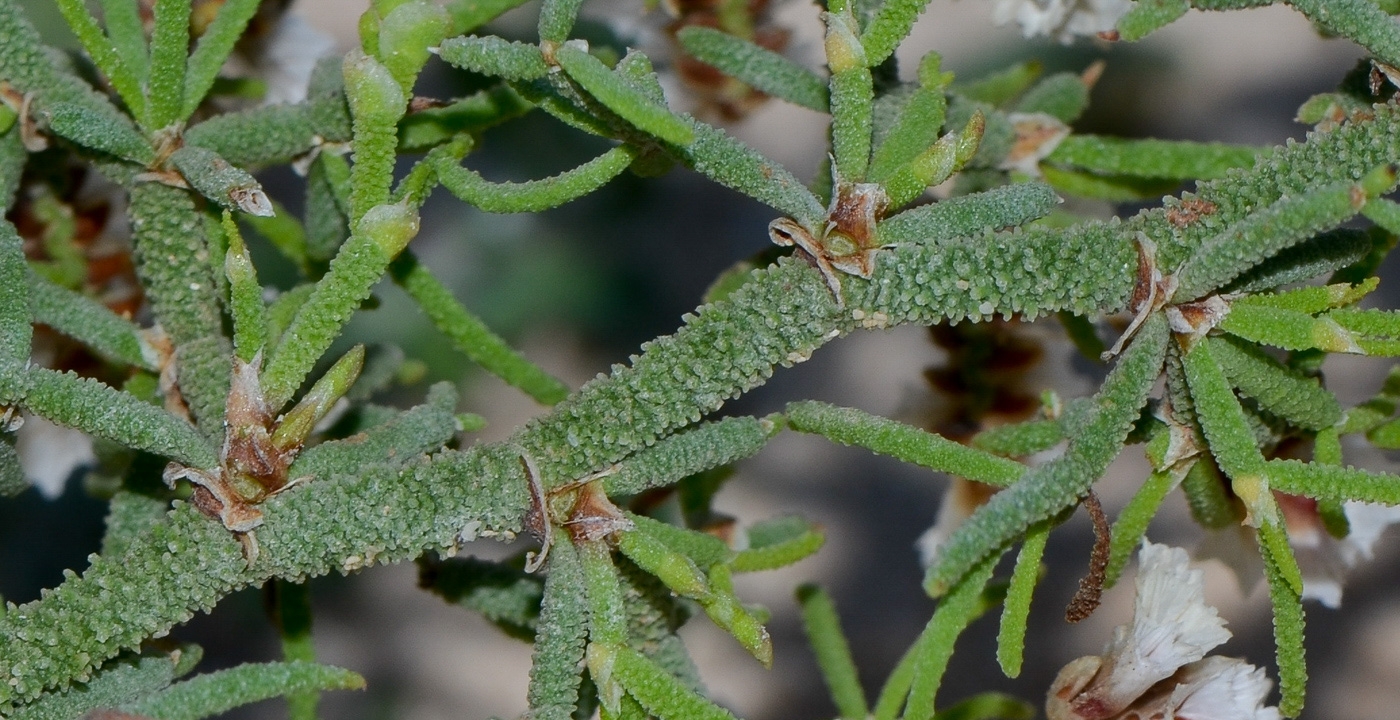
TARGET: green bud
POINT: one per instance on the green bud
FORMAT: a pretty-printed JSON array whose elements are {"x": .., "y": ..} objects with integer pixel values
[
  {"x": 298, "y": 423},
  {"x": 390, "y": 227},
  {"x": 375, "y": 96},
  {"x": 405, "y": 35},
  {"x": 843, "y": 49}
]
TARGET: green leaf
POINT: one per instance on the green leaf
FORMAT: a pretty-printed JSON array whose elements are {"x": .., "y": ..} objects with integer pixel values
[
  {"x": 170, "y": 41},
  {"x": 934, "y": 647},
  {"x": 1365, "y": 24},
  {"x": 213, "y": 49},
  {"x": 989, "y": 706},
  {"x": 850, "y": 426},
  {"x": 680, "y": 455},
  {"x": 1223, "y": 421},
  {"x": 471, "y": 115},
  {"x": 557, "y": 19},
  {"x": 96, "y": 131},
  {"x": 15, "y": 298},
  {"x": 118, "y": 682},
  {"x": 1149, "y": 15},
  {"x": 101, "y": 411},
  {"x": 110, "y": 55},
  {"x": 1280, "y": 390},
  {"x": 936, "y": 164},
  {"x": 1289, "y": 329},
  {"x": 998, "y": 208},
  {"x": 756, "y": 66},
  {"x": 833, "y": 653},
  {"x": 703, "y": 549},
  {"x": 297, "y": 424},
  {"x": 80, "y": 317},
  {"x": 504, "y": 594},
  {"x": 629, "y": 104},
  {"x": 407, "y": 35},
  {"x": 1019, "y": 439},
  {"x": 291, "y": 611},
  {"x": 214, "y": 178},
  {"x": 276, "y": 133},
  {"x": 1047, "y": 489},
  {"x": 1113, "y": 188},
  {"x": 1165, "y": 159},
  {"x": 1001, "y": 87},
  {"x": 852, "y": 95},
  {"x": 401, "y": 440},
  {"x": 470, "y": 335},
  {"x": 559, "y": 642},
  {"x": 377, "y": 102},
  {"x": 383, "y": 232},
  {"x": 739, "y": 167},
  {"x": 1266, "y": 232},
  {"x": 1063, "y": 96},
  {"x": 1011, "y": 638},
  {"x": 607, "y": 618},
  {"x": 1332, "y": 483},
  {"x": 1285, "y": 589},
  {"x": 12, "y": 479},
  {"x": 659, "y": 692},
  {"x": 889, "y": 27},
  {"x": 1131, "y": 525},
  {"x": 495, "y": 56},
  {"x": 534, "y": 195},
  {"x": 127, "y": 35},
  {"x": 218, "y": 692},
  {"x": 778, "y": 543},
  {"x": 917, "y": 125},
  {"x": 1324, "y": 253},
  {"x": 468, "y": 15},
  {"x": 173, "y": 263}
]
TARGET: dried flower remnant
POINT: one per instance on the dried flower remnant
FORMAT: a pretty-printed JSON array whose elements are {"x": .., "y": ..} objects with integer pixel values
[
  {"x": 1037, "y": 135},
  {"x": 1064, "y": 19},
  {"x": 848, "y": 242},
  {"x": 1172, "y": 627}
]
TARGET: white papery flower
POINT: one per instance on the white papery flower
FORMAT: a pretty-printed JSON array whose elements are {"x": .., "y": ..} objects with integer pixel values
[
  {"x": 1221, "y": 688},
  {"x": 1172, "y": 626},
  {"x": 1064, "y": 19}
]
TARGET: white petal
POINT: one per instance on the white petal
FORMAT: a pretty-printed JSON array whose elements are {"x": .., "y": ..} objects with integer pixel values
[
  {"x": 1172, "y": 626},
  {"x": 1220, "y": 688}
]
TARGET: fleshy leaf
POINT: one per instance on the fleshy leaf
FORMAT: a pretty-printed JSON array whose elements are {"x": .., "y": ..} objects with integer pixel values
[
  {"x": 218, "y": 692},
  {"x": 849, "y": 426},
  {"x": 833, "y": 653},
  {"x": 1011, "y": 638},
  {"x": 643, "y": 112},
  {"x": 756, "y": 66}
]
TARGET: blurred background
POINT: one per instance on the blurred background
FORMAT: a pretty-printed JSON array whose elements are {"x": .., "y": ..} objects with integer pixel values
[{"x": 581, "y": 287}]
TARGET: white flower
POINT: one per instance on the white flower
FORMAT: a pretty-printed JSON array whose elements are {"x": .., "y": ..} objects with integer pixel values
[
  {"x": 1065, "y": 19},
  {"x": 1172, "y": 626},
  {"x": 1323, "y": 560},
  {"x": 1221, "y": 688}
]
